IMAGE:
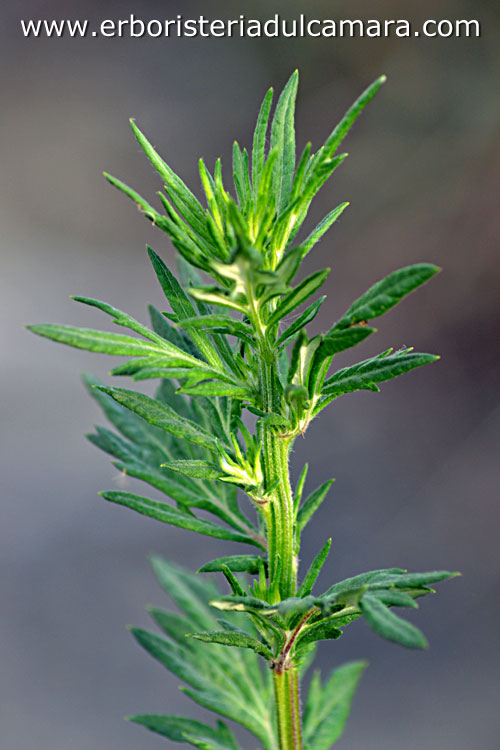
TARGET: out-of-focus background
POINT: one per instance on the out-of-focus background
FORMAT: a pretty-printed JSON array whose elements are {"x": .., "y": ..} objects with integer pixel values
[{"x": 416, "y": 465}]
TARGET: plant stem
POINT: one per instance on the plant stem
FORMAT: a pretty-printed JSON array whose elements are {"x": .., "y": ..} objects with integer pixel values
[
  {"x": 281, "y": 549},
  {"x": 279, "y": 513},
  {"x": 286, "y": 696}
]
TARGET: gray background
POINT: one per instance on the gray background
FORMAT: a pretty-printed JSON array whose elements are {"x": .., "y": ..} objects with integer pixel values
[{"x": 416, "y": 465}]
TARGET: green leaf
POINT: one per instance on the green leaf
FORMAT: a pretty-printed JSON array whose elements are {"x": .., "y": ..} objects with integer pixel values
[
  {"x": 386, "y": 293},
  {"x": 324, "y": 725},
  {"x": 341, "y": 130},
  {"x": 220, "y": 324},
  {"x": 167, "y": 514},
  {"x": 243, "y": 604},
  {"x": 322, "y": 228},
  {"x": 301, "y": 322},
  {"x": 238, "y": 640},
  {"x": 320, "y": 631},
  {"x": 196, "y": 468},
  {"x": 236, "y": 563},
  {"x": 160, "y": 415},
  {"x": 412, "y": 580},
  {"x": 170, "y": 656},
  {"x": 241, "y": 177},
  {"x": 384, "y": 576},
  {"x": 233, "y": 582},
  {"x": 365, "y": 375},
  {"x": 191, "y": 208},
  {"x": 149, "y": 211},
  {"x": 395, "y": 598},
  {"x": 190, "y": 594},
  {"x": 311, "y": 504},
  {"x": 212, "y": 295},
  {"x": 337, "y": 340},
  {"x": 259, "y": 140},
  {"x": 390, "y": 626},
  {"x": 180, "y": 729},
  {"x": 98, "y": 341},
  {"x": 298, "y": 295},
  {"x": 211, "y": 389},
  {"x": 283, "y": 141},
  {"x": 314, "y": 570}
]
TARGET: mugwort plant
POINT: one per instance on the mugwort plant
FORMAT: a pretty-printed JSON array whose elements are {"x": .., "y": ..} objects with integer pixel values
[{"x": 234, "y": 341}]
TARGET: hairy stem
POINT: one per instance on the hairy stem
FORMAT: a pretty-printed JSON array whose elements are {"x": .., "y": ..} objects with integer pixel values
[
  {"x": 286, "y": 696},
  {"x": 279, "y": 514},
  {"x": 282, "y": 557}
]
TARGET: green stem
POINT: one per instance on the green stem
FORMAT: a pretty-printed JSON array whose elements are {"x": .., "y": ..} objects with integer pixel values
[
  {"x": 286, "y": 696},
  {"x": 280, "y": 513}
]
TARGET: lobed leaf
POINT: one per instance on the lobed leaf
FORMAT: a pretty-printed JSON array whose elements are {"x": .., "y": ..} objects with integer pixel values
[
  {"x": 365, "y": 375},
  {"x": 324, "y": 724},
  {"x": 160, "y": 415},
  {"x": 167, "y": 514},
  {"x": 386, "y": 293},
  {"x": 180, "y": 729},
  {"x": 238, "y": 640},
  {"x": 390, "y": 626},
  {"x": 99, "y": 341}
]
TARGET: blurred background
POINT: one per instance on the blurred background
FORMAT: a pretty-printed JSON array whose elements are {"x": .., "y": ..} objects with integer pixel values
[{"x": 416, "y": 465}]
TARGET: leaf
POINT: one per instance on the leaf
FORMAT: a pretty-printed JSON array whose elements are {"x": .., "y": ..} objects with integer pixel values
[
  {"x": 365, "y": 375},
  {"x": 196, "y": 468},
  {"x": 241, "y": 177},
  {"x": 210, "y": 389},
  {"x": 149, "y": 211},
  {"x": 322, "y": 227},
  {"x": 98, "y": 341},
  {"x": 191, "y": 208},
  {"x": 390, "y": 626},
  {"x": 300, "y": 487},
  {"x": 324, "y": 725},
  {"x": 236, "y": 563},
  {"x": 320, "y": 631},
  {"x": 238, "y": 640},
  {"x": 394, "y": 598},
  {"x": 167, "y": 514},
  {"x": 188, "y": 592},
  {"x": 170, "y": 656},
  {"x": 243, "y": 604},
  {"x": 411, "y": 580},
  {"x": 314, "y": 570},
  {"x": 233, "y": 582},
  {"x": 386, "y": 293},
  {"x": 337, "y": 340},
  {"x": 298, "y": 295},
  {"x": 160, "y": 415},
  {"x": 283, "y": 141},
  {"x": 212, "y": 295},
  {"x": 340, "y": 131},
  {"x": 301, "y": 322},
  {"x": 167, "y": 331},
  {"x": 384, "y": 576},
  {"x": 180, "y": 729},
  {"x": 259, "y": 140},
  {"x": 220, "y": 324},
  {"x": 311, "y": 504}
]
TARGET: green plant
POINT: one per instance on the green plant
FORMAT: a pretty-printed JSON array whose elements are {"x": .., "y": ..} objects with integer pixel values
[{"x": 240, "y": 344}]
